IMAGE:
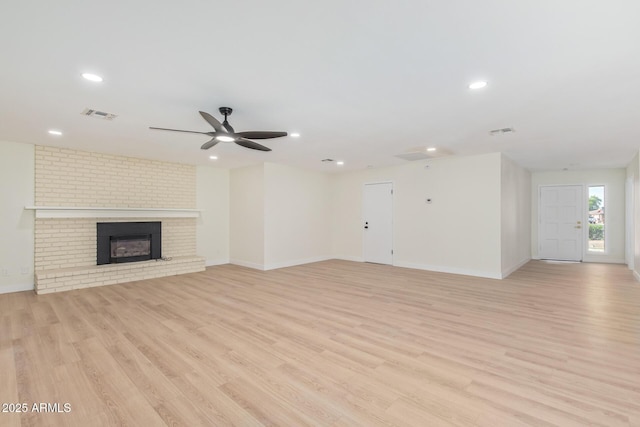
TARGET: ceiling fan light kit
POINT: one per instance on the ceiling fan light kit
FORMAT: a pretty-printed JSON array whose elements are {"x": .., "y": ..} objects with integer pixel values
[{"x": 224, "y": 132}]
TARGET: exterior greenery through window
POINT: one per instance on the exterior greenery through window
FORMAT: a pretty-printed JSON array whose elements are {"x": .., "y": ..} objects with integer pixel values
[{"x": 596, "y": 218}]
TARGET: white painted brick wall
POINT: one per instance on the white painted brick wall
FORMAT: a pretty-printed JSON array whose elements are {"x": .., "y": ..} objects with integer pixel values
[{"x": 78, "y": 178}]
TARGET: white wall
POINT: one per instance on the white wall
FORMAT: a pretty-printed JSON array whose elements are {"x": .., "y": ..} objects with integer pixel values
[
  {"x": 346, "y": 211},
  {"x": 633, "y": 171},
  {"x": 246, "y": 216},
  {"x": 515, "y": 216},
  {"x": 459, "y": 232},
  {"x": 212, "y": 197},
  {"x": 16, "y": 225},
  {"x": 614, "y": 181},
  {"x": 297, "y": 216}
]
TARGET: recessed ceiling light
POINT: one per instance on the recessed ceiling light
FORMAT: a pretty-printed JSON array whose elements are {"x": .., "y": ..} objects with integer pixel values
[
  {"x": 339, "y": 163},
  {"x": 213, "y": 157},
  {"x": 55, "y": 132},
  {"x": 92, "y": 77},
  {"x": 295, "y": 135},
  {"x": 431, "y": 149},
  {"x": 225, "y": 138},
  {"x": 478, "y": 85}
]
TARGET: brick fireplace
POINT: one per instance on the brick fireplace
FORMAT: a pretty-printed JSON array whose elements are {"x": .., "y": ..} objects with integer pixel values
[{"x": 76, "y": 191}]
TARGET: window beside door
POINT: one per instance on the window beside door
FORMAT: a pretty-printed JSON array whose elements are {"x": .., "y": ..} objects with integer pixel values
[{"x": 596, "y": 211}]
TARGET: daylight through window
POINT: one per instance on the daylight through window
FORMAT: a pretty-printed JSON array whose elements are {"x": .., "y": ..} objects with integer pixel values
[{"x": 596, "y": 218}]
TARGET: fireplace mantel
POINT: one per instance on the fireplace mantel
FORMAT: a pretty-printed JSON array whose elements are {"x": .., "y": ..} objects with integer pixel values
[{"x": 98, "y": 212}]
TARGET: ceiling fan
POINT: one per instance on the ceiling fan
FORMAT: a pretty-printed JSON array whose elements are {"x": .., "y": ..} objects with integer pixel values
[{"x": 224, "y": 132}]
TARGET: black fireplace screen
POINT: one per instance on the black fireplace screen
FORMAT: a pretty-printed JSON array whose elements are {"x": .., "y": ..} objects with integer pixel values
[{"x": 119, "y": 242}]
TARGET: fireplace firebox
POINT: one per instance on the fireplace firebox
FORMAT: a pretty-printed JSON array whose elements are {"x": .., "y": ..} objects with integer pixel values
[{"x": 119, "y": 242}]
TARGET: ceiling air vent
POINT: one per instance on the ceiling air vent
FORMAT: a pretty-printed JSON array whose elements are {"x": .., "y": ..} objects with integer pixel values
[
  {"x": 98, "y": 114},
  {"x": 501, "y": 131},
  {"x": 327, "y": 160}
]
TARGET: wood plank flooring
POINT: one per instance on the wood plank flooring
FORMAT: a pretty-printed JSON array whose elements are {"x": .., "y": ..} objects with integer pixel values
[{"x": 334, "y": 343}]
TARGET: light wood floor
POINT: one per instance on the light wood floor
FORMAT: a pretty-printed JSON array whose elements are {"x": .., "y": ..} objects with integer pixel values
[{"x": 334, "y": 343}]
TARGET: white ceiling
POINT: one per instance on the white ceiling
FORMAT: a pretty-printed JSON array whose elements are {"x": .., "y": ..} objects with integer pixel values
[{"x": 361, "y": 81}]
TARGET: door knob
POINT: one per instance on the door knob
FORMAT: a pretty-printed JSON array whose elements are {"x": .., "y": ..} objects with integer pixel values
[{"x": 577, "y": 226}]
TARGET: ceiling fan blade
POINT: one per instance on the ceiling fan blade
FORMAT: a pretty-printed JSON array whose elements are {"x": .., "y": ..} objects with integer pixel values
[
  {"x": 179, "y": 130},
  {"x": 209, "y": 144},
  {"x": 227, "y": 126},
  {"x": 256, "y": 134},
  {"x": 250, "y": 144},
  {"x": 212, "y": 121}
]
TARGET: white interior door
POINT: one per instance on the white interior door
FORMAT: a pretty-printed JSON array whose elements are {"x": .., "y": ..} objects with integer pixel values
[
  {"x": 561, "y": 212},
  {"x": 378, "y": 223}
]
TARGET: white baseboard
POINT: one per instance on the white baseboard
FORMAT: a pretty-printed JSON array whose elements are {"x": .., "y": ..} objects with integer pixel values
[
  {"x": 349, "y": 258},
  {"x": 212, "y": 262},
  {"x": 16, "y": 288},
  {"x": 276, "y": 265},
  {"x": 292, "y": 263},
  {"x": 636, "y": 275},
  {"x": 506, "y": 272},
  {"x": 248, "y": 264},
  {"x": 452, "y": 270}
]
